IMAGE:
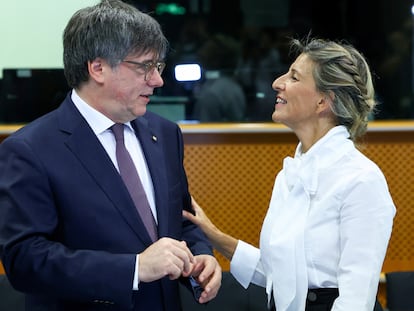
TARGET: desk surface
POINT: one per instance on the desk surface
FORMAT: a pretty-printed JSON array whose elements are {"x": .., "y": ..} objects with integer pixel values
[
  {"x": 403, "y": 125},
  {"x": 374, "y": 126}
]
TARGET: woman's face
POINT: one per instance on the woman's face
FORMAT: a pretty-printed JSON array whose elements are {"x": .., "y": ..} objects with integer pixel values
[{"x": 297, "y": 97}]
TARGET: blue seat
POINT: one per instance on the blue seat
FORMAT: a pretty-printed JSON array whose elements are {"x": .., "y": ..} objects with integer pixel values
[
  {"x": 400, "y": 290},
  {"x": 231, "y": 297},
  {"x": 10, "y": 299}
]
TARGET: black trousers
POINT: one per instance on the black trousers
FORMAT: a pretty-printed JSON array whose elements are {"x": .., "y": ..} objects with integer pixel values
[{"x": 321, "y": 299}]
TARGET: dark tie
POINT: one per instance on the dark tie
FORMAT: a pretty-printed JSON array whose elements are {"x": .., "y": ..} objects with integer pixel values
[{"x": 132, "y": 181}]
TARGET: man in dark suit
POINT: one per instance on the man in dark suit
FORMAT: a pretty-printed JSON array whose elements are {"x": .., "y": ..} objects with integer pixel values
[{"x": 71, "y": 234}]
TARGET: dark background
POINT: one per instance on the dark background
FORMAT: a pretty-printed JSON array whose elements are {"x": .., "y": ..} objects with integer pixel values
[{"x": 380, "y": 29}]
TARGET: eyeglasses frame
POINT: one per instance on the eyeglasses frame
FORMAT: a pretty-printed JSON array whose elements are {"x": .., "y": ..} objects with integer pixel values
[{"x": 148, "y": 67}]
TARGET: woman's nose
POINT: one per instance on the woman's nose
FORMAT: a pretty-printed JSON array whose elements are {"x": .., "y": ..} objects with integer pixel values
[{"x": 277, "y": 84}]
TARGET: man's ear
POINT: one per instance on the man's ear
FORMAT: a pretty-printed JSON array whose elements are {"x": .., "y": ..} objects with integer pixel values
[{"x": 96, "y": 70}]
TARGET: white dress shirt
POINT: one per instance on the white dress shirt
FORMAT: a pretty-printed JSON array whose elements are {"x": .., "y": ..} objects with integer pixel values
[
  {"x": 328, "y": 226},
  {"x": 100, "y": 125}
]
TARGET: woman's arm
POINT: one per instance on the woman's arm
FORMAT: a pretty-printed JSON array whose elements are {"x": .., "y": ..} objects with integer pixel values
[{"x": 222, "y": 242}]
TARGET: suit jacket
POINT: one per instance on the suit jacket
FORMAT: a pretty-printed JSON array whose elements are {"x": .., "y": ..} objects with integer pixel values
[{"x": 69, "y": 231}]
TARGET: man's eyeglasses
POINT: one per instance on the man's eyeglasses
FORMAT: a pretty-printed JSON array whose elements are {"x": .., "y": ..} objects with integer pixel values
[{"x": 148, "y": 68}]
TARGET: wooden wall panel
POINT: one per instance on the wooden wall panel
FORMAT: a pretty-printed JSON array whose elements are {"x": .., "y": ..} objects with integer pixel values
[
  {"x": 231, "y": 175},
  {"x": 394, "y": 154},
  {"x": 231, "y": 170},
  {"x": 233, "y": 180}
]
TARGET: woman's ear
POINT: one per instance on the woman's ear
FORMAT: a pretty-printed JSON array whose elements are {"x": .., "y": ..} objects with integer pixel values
[
  {"x": 326, "y": 101},
  {"x": 325, "y": 105}
]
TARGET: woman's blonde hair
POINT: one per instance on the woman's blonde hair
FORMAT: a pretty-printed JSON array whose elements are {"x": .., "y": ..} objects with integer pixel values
[{"x": 343, "y": 73}]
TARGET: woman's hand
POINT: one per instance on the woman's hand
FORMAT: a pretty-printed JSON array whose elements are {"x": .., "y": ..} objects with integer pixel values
[
  {"x": 200, "y": 219},
  {"x": 221, "y": 241}
]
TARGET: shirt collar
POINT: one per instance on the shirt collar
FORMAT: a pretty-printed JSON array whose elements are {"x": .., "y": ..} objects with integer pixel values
[
  {"x": 96, "y": 120},
  {"x": 329, "y": 148}
]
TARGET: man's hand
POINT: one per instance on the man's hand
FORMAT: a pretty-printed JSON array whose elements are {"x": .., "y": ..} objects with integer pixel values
[
  {"x": 165, "y": 257},
  {"x": 207, "y": 273}
]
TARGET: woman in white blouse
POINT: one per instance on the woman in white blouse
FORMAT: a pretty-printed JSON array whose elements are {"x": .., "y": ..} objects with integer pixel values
[{"x": 330, "y": 218}]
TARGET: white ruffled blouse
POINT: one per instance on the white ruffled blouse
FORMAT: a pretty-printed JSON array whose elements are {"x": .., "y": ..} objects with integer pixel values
[{"x": 328, "y": 225}]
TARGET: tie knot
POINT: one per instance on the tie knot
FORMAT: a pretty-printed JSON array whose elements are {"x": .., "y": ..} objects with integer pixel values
[{"x": 118, "y": 130}]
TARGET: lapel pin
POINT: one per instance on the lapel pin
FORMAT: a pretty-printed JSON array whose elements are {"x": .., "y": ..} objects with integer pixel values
[{"x": 154, "y": 138}]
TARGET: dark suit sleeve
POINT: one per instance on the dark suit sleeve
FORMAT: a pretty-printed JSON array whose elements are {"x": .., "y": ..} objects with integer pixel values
[
  {"x": 31, "y": 229},
  {"x": 195, "y": 238}
]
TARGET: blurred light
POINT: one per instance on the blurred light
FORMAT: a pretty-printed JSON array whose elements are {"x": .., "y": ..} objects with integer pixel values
[
  {"x": 169, "y": 8},
  {"x": 187, "y": 72},
  {"x": 212, "y": 74},
  {"x": 412, "y": 10}
]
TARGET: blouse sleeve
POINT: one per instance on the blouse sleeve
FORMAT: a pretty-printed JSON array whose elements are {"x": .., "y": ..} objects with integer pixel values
[
  {"x": 365, "y": 229},
  {"x": 246, "y": 266}
]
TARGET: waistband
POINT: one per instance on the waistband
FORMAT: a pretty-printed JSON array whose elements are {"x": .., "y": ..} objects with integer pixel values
[
  {"x": 322, "y": 295},
  {"x": 315, "y": 296}
]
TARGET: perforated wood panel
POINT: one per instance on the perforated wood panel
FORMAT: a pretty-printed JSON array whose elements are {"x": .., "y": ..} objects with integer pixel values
[
  {"x": 394, "y": 154},
  {"x": 231, "y": 176},
  {"x": 233, "y": 182}
]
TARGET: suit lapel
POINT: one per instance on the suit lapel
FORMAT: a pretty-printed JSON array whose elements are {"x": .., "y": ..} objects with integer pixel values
[
  {"x": 96, "y": 161},
  {"x": 151, "y": 141}
]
